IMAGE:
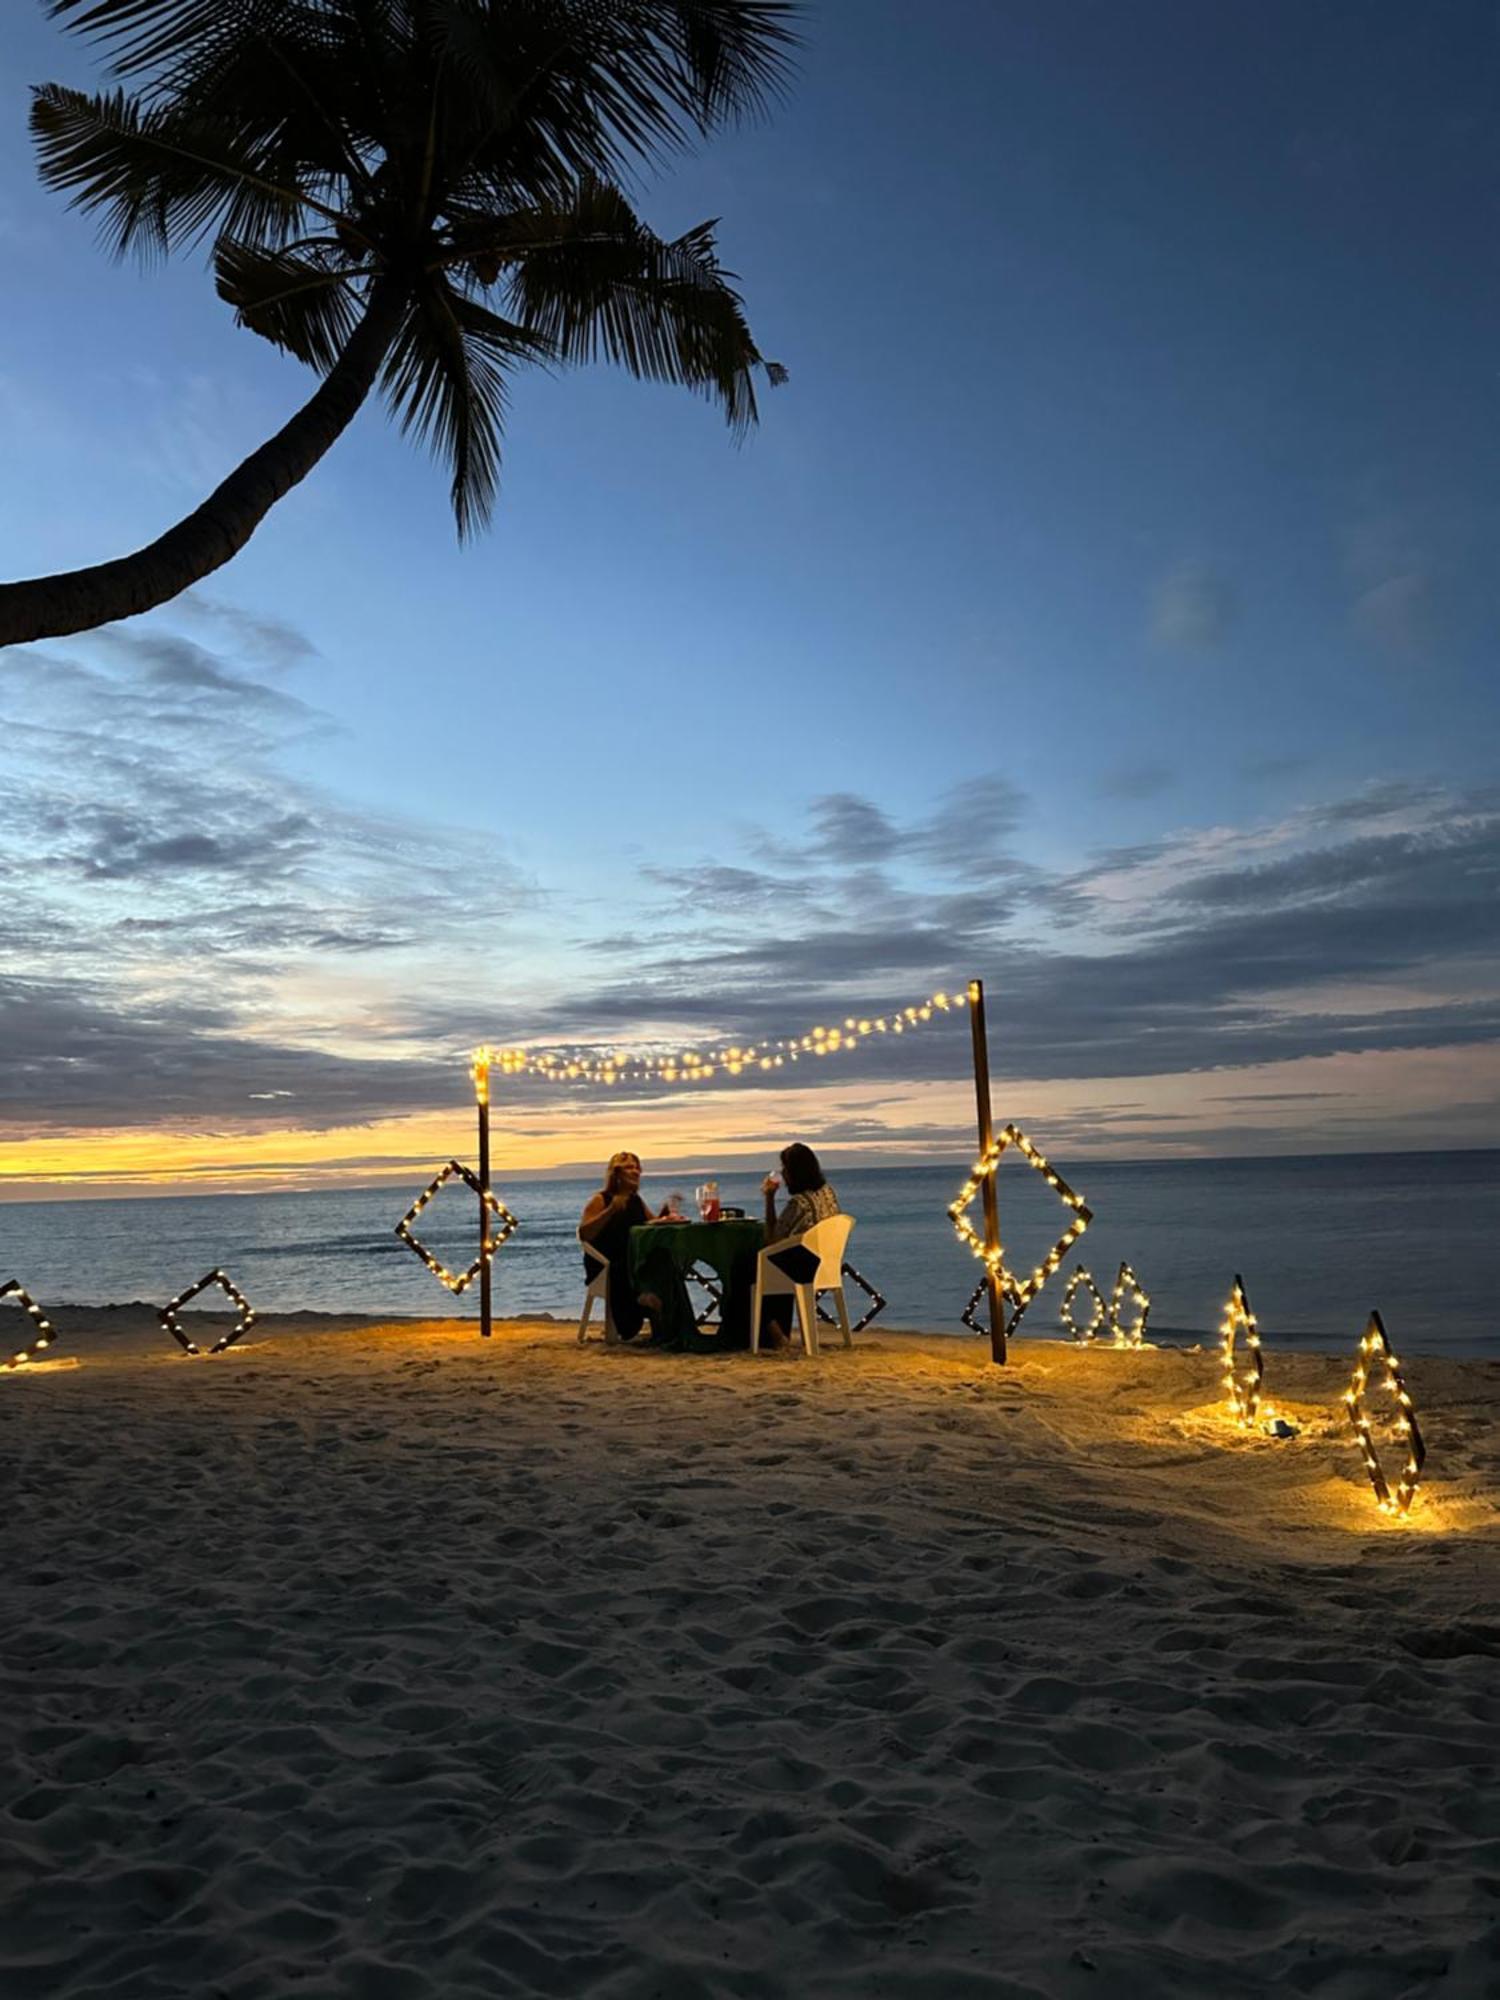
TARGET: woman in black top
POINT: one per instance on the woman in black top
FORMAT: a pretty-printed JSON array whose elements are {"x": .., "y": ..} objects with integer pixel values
[{"x": 605, "y": 1227}]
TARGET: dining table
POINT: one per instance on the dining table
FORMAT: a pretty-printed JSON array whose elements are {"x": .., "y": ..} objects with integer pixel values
[{"x": 727, "y": 1247}]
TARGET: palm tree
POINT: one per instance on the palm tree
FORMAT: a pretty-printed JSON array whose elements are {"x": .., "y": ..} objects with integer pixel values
[{"x": 419, "y": 194}]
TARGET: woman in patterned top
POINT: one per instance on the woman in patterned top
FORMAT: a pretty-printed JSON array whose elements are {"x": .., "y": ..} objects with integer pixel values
[{"x": 810, "y": 1198}]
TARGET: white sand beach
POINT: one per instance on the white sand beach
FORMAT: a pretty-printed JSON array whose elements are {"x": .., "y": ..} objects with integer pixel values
[{"x": 389, "y": 1664}]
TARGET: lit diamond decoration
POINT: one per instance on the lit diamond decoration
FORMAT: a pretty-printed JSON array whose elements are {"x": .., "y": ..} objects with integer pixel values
[
  {"x": 707, "y": 1281},
  {"x": 1021, "y": 1290},
  {"x": 1375, "y": 1352},
  {"x": 1083, "y": 1280},
  {"x": 43, "y": 1336},
  {"x": 457, "y": 1281},
  {"x": 167, "y": 1314},
  {"x": 970, "y": 1313},
  {"x": 876, "y": 1306},
  {"x": 1128, "y": 1295},
  {"x": 1245, "y": 1378}
]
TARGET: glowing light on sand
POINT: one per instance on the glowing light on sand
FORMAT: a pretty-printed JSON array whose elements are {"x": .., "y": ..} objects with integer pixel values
[
  {"x": 458, "y": 1281},
  {"x": 1243, "y": 1377},
  {"x": 1022, "y": 1290},
  {"x": 1080, "y": 1280},
  {"x": 1375, "y": 1352},
  {"x": 1129, "y": 1296},
  {"x": 44, "y": 1335},
  {"x": 167, "y": 1314}
]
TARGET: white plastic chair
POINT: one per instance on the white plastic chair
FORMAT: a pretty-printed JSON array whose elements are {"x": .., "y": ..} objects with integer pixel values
[
  {"x": 800, "y": 1267},
  {"x": 597, "y": 1269}
]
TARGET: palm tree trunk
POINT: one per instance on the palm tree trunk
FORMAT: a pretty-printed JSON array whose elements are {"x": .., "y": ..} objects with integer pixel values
[{"x": 78, "y": 600}]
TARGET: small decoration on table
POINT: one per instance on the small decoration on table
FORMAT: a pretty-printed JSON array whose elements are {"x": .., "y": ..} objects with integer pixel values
[
  {"x": 43, "y": 1336},
  {"x": 167, "y": 1314},
  {"x": 1375, "y": 1352}
]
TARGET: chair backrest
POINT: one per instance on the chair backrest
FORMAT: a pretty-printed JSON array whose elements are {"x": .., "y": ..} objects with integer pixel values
[
  {"x": 827, "y": 1240},
  {"x": 595, "y": 1267}
]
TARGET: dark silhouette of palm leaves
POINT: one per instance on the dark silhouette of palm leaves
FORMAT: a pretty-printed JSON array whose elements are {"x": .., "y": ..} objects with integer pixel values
[{"x": 419, "y": 195}]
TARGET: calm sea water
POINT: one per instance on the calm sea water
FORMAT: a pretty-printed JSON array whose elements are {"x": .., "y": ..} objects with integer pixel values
[{"x": 1319, "y": 1242}]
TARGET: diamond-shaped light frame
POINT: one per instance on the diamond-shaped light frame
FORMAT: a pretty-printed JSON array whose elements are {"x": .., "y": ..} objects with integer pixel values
[
  {"x": 976, "y": 1325},
  {"x": 1243, "y": 1381},
  {"x": 876, "y": 1306},
  {"x": 1021, "y": 1290},
  {"x": 1099, "y": 1316},
  {"x": 44, "y": 1335},
  {"x": 1128, "y": 1294},
  {"x": 167, "y": 1314},
  {"x": 707, "y": 1281},
  {"x": 1375, "y": 1352},
  {"x": 457, "y": 1281}
]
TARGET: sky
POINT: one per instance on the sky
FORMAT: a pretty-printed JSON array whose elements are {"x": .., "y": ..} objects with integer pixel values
[{"x": 1105, "y": 608}]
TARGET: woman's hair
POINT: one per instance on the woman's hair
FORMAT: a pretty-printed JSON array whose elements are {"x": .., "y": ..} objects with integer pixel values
[
  {"x": 616, "y": 1161},
  {"x": 800, "y": 1169}
]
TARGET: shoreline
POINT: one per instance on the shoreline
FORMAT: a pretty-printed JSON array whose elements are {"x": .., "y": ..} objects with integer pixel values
[{"x": 129, "y": 1325}]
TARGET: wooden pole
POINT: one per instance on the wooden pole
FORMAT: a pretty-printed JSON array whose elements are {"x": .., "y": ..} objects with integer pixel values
[
  {"x": 991, "y": 1198},
  {"x": 482, "y": 1083}
]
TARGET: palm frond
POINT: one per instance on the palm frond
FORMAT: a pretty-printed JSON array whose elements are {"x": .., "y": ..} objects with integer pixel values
[
  {"x": 302, "y": 299},
  {"x": 596, "y": 283},
  {"x": 574, "y": 87},
  {"x": 145, "y": 34},
  {"x": 160, "y": 176},
  {"x": 446, "y": 381}
]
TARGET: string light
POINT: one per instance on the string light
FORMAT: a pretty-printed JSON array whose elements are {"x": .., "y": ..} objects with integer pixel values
[
  {"x": 970, "y": 1317},
  {"x": 584, "y": 1064},
  {"x": 458, "y": 1281},
  {"x": 44, "y": 1335},
  {"x": 1097, "y": 1318},
  {"x": 1021, "y": 1289},
  {"x": 168, "y": 1314},
  {"x": 877, "y": 1305},
  {"x": 1243, "y": 1381},
  {"x": 1128, "y": 1285},
  {"x": 1375, "y": 1350},
  {"x": 708, "y": 1282}
]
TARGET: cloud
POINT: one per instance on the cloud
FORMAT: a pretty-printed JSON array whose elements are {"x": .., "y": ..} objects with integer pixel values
[
  {"x": 171, "y": 944},
  {"x": 271, "y": 643},
  {"x": 1360, "y": 923},
  {"x": 176, "y": 907},
  {"x": 1192, "y": 610},
  {"x": 1401, "y": 565},
  {"x": 1400, "y": 615},
  {"x": 850, "y": 829}
]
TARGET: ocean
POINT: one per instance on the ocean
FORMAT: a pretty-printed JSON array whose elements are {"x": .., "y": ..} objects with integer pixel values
[{"x": 1319, "y": 1241}]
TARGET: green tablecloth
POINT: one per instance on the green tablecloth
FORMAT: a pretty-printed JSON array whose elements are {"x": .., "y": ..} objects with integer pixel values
[
  {"x": 716, "y": 1244},
  {"x": 719, "y": 1245}
]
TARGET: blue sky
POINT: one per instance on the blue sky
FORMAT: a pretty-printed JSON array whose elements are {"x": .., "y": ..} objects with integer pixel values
[{"x": 1133, "y": 488}]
